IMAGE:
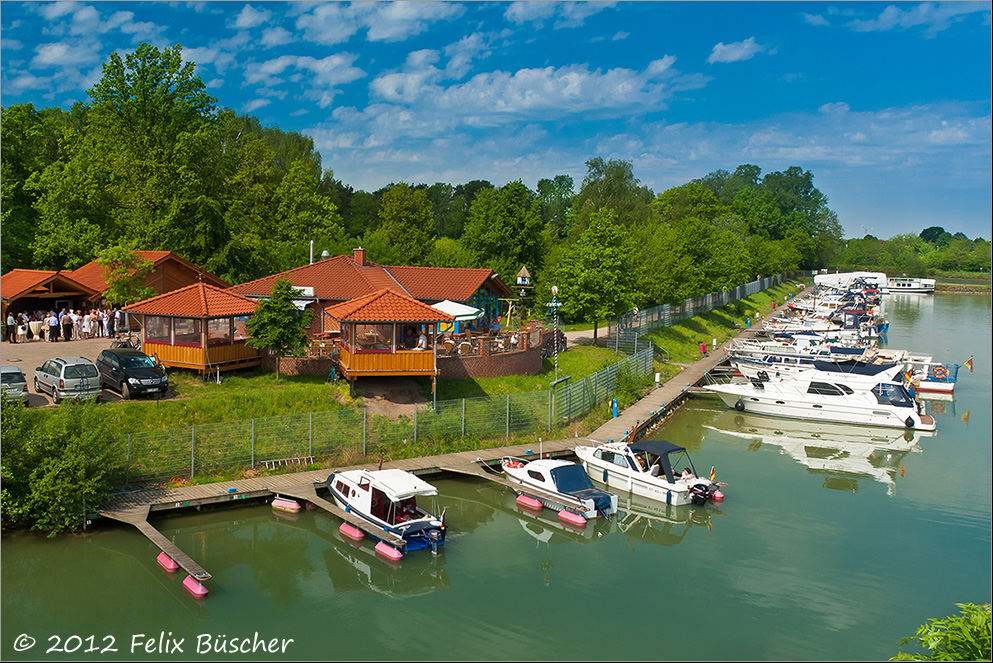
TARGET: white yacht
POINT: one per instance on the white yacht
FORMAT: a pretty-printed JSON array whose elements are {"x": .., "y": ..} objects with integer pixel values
[
  {"x": 560, "y": 485},
  {"x": 814, "y": 397},
  {"x": 649, "y": 468},
  {"x": 896, "y": 285}
]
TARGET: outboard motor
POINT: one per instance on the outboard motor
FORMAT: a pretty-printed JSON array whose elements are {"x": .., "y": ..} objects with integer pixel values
[
  {"x": 434, "y": 536},
  {"x": 700, "y": 493}
]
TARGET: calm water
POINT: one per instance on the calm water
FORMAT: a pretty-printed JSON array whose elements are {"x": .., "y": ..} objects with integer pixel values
[{"x": 833, "y": 543}]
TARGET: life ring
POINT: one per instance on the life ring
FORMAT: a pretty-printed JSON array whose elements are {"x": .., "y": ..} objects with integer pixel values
[
  {"x": 514, "y": 464},
  {"x": 938, "y": 408},
  {"x": 940, "y": 373}
]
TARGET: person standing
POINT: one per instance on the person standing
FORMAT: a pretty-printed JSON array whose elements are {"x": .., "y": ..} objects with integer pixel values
[
  {"x": 53, "y": 327},
  {"x": 77, "y": 323},
  {"x": 101, "y": 323},
  {"x": 66, "y": 325},
  {"x": 111, "y": 331},
  {"x": 88, "y": 324},
  {"x": 11, "y": 328}
]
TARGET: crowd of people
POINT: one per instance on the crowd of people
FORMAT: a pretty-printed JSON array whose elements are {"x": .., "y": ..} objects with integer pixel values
[{"x": 64, "y": 325}]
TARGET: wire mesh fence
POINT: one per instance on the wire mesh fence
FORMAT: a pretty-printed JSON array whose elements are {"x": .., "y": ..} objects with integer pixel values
[{"x": 267, "y": 442}]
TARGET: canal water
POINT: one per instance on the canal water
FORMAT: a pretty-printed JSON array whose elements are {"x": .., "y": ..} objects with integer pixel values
[{"x": 833, "y": 543}]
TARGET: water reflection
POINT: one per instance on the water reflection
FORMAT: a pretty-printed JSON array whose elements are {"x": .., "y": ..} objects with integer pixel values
[
  {"x": 843, "y": 453},
  {"x": 354, "y": 565},
  {"x": 661, "y": 524}
]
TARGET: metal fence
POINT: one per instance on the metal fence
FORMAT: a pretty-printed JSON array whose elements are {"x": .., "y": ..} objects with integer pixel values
[
  {"x": 624, "y": 331},
  {"x": 268, "y": 442}
]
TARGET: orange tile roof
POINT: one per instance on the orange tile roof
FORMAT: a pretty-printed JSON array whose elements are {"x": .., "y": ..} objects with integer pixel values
[
  {"x": 199, "y": 300},
  {"x": 23, "y": 282},
  {"x": 438, "y": 283},
  {"x": 92, "y": 273},
  {"x": 386, "y": 306},
  {"x": 342, "y": 278}
]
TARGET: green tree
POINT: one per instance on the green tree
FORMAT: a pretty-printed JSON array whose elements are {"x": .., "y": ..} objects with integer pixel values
[
  {"x": 278, "y": 325},
  {"x": 405, "y": 236},
  {"x": 962, "y": 637},
  {"x": 57, "y": 470},
  {"x": 505, "y": 231},
  {"x": 125, "y": 272},
  {"x": 596, "y": 277},
  {"x": 610, "y": 184}
]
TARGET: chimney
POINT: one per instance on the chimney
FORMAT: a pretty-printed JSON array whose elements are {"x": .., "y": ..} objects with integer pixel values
[{"x": 360, "y": 256}]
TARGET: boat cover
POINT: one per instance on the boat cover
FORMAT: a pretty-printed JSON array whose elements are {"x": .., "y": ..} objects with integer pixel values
[
  {"x": 852, "y": 367},
  {"x": 573, "y": 480},
  {"x": 399, "y": 484},
  {"x": 662, "y": 449}
]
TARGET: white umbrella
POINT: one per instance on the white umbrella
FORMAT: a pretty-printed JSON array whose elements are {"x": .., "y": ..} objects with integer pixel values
[{"x": 460, "y": 312}]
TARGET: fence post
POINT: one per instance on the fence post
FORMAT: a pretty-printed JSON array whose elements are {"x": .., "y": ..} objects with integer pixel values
[
  {"x": 549, "y": 409},
  {"x": 415, "y": 423},
  {"x": 463, "y": 417},
  {"x": 193, "y": 437},
  {"x": 127, "y": 467},
  {"x": 253, "y": 443},
  {"x": 364, "y": 410},
  {"x": 508, "y": 416},
  {"x": 310, "y": 445}
]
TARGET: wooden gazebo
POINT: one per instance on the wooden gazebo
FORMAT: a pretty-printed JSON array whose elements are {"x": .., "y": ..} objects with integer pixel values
[
  {"x": 201, "y": 327},
  {"x": 381, "y": 335}
]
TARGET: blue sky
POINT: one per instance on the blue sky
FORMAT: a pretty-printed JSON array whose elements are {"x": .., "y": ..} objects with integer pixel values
[{"x": 888, "y": 105}]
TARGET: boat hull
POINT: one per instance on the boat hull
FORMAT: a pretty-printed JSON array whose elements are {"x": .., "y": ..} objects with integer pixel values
[{"x": 749, "y": 399}]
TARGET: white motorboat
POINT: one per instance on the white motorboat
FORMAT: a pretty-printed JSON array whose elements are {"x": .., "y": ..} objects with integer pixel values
[
  {"x": 809, "y": 396},
  {"x": 648, "y": 468},
  {"x": 848, "y": 371},
  {"x": 387, "y": 499},
  {"x": 896, "y": 285},
  {"x": 559, "y": 485}
]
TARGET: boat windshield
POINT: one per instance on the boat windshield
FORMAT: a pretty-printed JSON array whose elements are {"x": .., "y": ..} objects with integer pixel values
[
  {"x": 571, "y": 478},
  {"x": 892, "y": 394}
]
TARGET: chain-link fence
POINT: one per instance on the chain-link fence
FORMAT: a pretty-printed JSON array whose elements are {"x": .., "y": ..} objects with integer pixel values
[{"x": 267, "y": 442}]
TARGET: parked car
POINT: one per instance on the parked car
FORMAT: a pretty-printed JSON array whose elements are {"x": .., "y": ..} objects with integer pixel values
[
  {"x": 131, "y": 372},
  {"x": 69, "y": 377},
  {"x": 15, "y": 385}
]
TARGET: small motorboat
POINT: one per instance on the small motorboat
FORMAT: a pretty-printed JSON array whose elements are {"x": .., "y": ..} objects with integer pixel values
[
  {"x": 559, "y": 485},
  {"x": 387, "y": 499},
  {"x": 648, "y": 468}
]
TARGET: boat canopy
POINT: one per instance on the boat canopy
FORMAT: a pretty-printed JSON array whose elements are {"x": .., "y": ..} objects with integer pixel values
[
  {"x": 399, "y": 485},
  {"x": 662, "y": 449}
]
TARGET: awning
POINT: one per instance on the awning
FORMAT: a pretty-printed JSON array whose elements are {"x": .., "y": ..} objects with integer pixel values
[{"x": 460, "y": 312}]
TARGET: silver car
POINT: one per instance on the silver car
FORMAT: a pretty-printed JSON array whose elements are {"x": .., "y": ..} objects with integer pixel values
[
  {"x": 15, "y": 385},
  {"x": 69, "y": 377}
]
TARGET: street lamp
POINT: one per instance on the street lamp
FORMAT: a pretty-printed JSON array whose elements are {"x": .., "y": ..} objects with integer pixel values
[{"x": 555, "y": 327}]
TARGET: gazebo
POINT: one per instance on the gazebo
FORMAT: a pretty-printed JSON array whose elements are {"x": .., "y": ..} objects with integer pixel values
[
  {"x": 201, "y": 327},
  {"x": 387, "y": 333}
]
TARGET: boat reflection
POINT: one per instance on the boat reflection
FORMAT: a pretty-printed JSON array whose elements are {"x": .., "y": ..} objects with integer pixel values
[
  {"x": 844, "y": 453},
  {"x": 354, "y": 565},
  {"x": 659, "y": 523}
]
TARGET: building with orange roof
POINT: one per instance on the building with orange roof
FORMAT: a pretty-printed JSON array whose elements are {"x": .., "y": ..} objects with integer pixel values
[
  {"x": 387, "y": 333},
  {"x": 345, "y": 277},
  {"x": 169, "y": 272},
  {"x": 201, "y": 327},
  {"x": 29, "y": 290}
]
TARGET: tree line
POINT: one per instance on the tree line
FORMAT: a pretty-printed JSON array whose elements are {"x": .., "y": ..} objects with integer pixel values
[{"x": 152, "y": 162}]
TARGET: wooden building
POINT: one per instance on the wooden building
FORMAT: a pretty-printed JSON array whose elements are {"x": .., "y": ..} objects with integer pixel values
[
  {"x": 169, "y": 272},
  {"x": 200, "y": 327},
  {"x": 387, "y": 333}
]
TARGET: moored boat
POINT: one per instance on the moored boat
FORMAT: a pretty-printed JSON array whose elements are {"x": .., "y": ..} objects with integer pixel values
[
  {"x": 559, "y": 485},
  {"x": 897, "y": 285},
  {"x": 648, "y": 468},
  {"x": 387, "y": 499},
  {"x": 809, "y": 396}
]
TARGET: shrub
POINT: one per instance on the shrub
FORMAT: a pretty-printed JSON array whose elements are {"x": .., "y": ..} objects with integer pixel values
[{"x": 962, "y": 637}]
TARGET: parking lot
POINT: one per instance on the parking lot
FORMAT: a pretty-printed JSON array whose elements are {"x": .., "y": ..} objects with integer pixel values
[{"x": 31, "y": 354}]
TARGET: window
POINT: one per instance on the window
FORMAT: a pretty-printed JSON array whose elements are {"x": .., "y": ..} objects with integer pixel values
[
  {"x": 157, "y": 330},
  {"x": 219, "y": 331},
  {"x": 892, "y": 394},
  {"x": 373, "y": 338},
  {"x": 187, "y": 331},
  {"x": 536, "y": 475},
  {"x": 241, "y": 328},
  {"x": 826, "y": 389}
]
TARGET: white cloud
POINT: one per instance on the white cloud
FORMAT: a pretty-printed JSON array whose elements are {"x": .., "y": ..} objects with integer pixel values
[
  {"x": 736, "y": 52},
  {"x": 275, "y": 37},
  {"x": 319, "y": 78},
  {"x": 834, "y": 108},
  {"x": 62, "y": 54},
  {"x": 249, "y": 17},
  {"x": 815, "y": 19},
  {"x": 334, "y": 23},
  {"x": 934, "y": 17},
  {"x": 566, "y": 14},
  {"x": 254, "y": 105}
]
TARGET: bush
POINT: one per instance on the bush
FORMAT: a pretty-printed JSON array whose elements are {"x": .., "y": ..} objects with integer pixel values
[
  {"x": 53, "y": 471},
  {"x": 963, "y": 637}
]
